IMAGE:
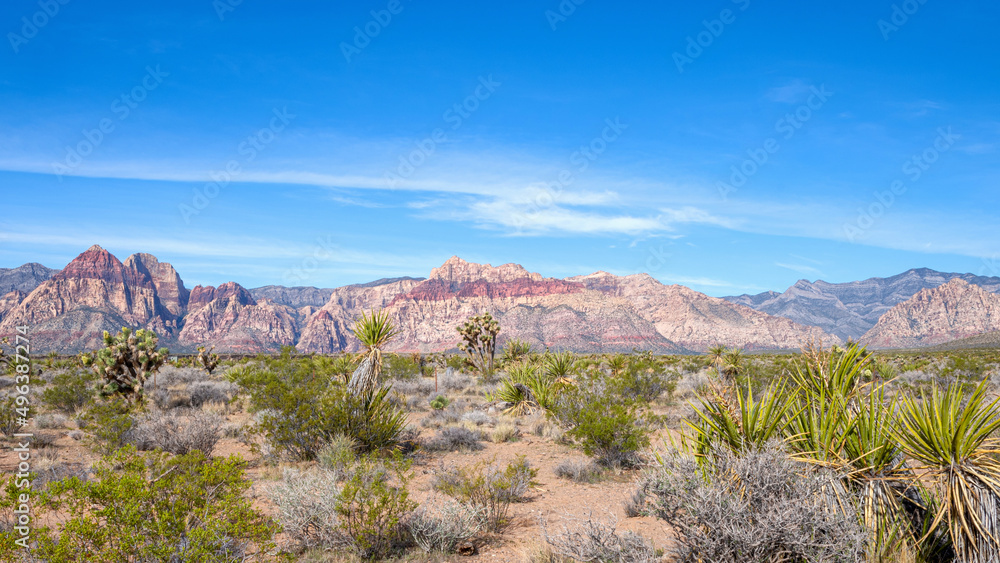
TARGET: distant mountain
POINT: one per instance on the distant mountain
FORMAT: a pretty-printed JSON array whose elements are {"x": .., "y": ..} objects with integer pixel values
[
  {"x": 945, "y": 313},
  {"x": 849, "y": 310},
  {"x": 24, "y": 278},
  {"x": 595, "y": 313},
  {"x": 293, "y": 296},
  {"x": 985, "y": 340}
]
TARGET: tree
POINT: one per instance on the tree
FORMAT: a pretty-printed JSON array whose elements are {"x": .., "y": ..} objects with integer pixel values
[
  {"x": 374, "y": 331},
  {"x": 479, "y": 341},
  {"x": 126, "y": 361},
  {"x": 715, "y": 354},
  {"x": 208, "y": 360}
]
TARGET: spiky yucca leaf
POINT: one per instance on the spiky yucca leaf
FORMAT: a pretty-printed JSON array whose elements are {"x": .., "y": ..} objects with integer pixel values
[
  {"x": 526, "y": 388},
  {"x": 837, "y": 372},
  {"x": 954, "y": 435},
  {"x": 755, "y": 423}
]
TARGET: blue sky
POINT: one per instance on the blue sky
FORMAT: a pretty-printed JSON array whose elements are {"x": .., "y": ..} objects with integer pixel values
[{"x": 732, "y": 146}]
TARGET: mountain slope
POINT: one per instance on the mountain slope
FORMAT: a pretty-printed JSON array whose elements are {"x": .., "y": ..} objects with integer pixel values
[
  {"x": 952, "y": 311},
  {"x": 24, "y": 278},
  {"x": 849, "y": 310}
]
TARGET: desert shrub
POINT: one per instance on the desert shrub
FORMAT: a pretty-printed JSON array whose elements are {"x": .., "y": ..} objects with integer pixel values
[
  {"x": 439, "y": 403},
  {"x": 299, "y": 411},
  {"x": 51, "y": 420},
  {"x": 438, "y": 418},
  {"x": 579, "y": 470},
  {"x": 6, "y": 381},
  {"x": 505, "y": 432},
  {"x": 590, "y": 540},
  {"x": 70, "y": 391},
  {"x": 183, "y": 508},
  {"x": 527, "y": 389},
  {"x": 413, "y": 386},
  {"x": 750, "y": 507},
  {"x": 175, "y": 434},
  {"x": 479, "y": 418},
  {"x": 453, "y": 438},
  {"x": 454, "y": 381},
  {"x": 396, "y": 366},
  {"x": 10, "y": 420},
  {"x": 306, "y": 504},
  {"x": 488, "y": 487},
  {"x": 371, "y": 509},
  {"x": 442, "y": 525},
  {"x": 202, "y": 392},
  {"x": 644, "y": 381},
  {"x": 110, "y": 423},
  {"x": 608, "y": 426},
  {"x": 338, "y": 455}
]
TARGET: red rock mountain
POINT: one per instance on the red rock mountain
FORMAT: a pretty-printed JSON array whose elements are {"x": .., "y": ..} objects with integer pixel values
[
  {"x": 595, "y": 313},
  {"x": 951, "y": 311}
]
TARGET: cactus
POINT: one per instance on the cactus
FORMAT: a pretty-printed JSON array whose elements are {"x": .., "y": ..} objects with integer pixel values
[
  {"x": 208, "y": 360},
  {"x": 479, "y": 341},
  {"x": 126, "y": 361}
]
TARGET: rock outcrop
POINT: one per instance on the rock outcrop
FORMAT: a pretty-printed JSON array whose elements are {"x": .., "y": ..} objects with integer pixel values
[
  {"x": 849, "y": 310},
  {"x": 948, "y": 312},
  {"x": 24, "y": 278}
]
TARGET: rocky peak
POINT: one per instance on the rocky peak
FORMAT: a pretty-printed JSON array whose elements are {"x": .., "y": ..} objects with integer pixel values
[
  {"x": 456, "y": 270},
  {"x": 957, "y": 309},
  {"x": 203, "y": 295},
  {"x": 169, "y": 285},
  {"x": 98, "y": 264}
]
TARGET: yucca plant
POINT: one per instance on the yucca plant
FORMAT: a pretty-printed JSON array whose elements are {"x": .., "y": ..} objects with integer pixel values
[
  {"x": 374, "y": 331},
  {"x": 526, "y": 388},
  {"x": 559, "y": 366},
  {"x": 515, "y": 350},
  {"x": 617, "y": 364},
  {"x": 733, "y": 363},
  {"x": 838, "y": 372},
  {"x": 715, "y": 354},
  {"x": 750, "y": 423},
  {"x": 953, "y": 434}
]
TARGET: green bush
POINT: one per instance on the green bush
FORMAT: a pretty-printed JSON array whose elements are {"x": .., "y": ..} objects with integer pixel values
[
  {"x": 10, "y": 417},
  {"x": 371, "y": 509},
  {"x": 70, "y": 391},
  {"x": 299, "y": 410},
  {"x": 439, "y": 403},
  {"x": 608, "y": 425},
  {"x": 110, "y": 423},
  {"x": 184, "y": 508}
]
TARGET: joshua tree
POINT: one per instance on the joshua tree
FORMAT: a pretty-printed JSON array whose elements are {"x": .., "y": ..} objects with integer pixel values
[
  {"x": 126, "y": 361},
  {"x": 207, "y": 359},
  {"x": 715, "y": 355},
  {"x": 733, "y": 362},
  {"x": 373, "y": 331},
  {"x": 479, "y": 341}
]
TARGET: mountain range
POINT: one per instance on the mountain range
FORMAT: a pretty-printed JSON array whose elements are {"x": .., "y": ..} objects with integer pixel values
[{"x": 66, "y": 310}]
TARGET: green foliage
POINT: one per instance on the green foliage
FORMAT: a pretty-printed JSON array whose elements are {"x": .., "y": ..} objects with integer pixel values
[
  {"x": 560, "y": 365},
  {"x": 374, "y": 331},
  {"x": 109, "y": 422},
  {"x": 439, "y": 403},
  {"x": 526, "y": 388},
  {"x": 608, "y": 425},
  {"x": 953, "y": 433},
  {"x": 479, "y": 341},
  {"x": 488, "y": 488},
  {"x": 184, "y": 508},
  {"x": 643, "y": 380},
  {"x": 372, "y": 504},
  {"x": 126, "y": 361},
  {"x": 337, "y": 455},
  {"x": 751, "y": 424},
  {"x": 69, "y": 391},
  {"x": 300, "y": 409},
  {"x": 515, "y": 350}
]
